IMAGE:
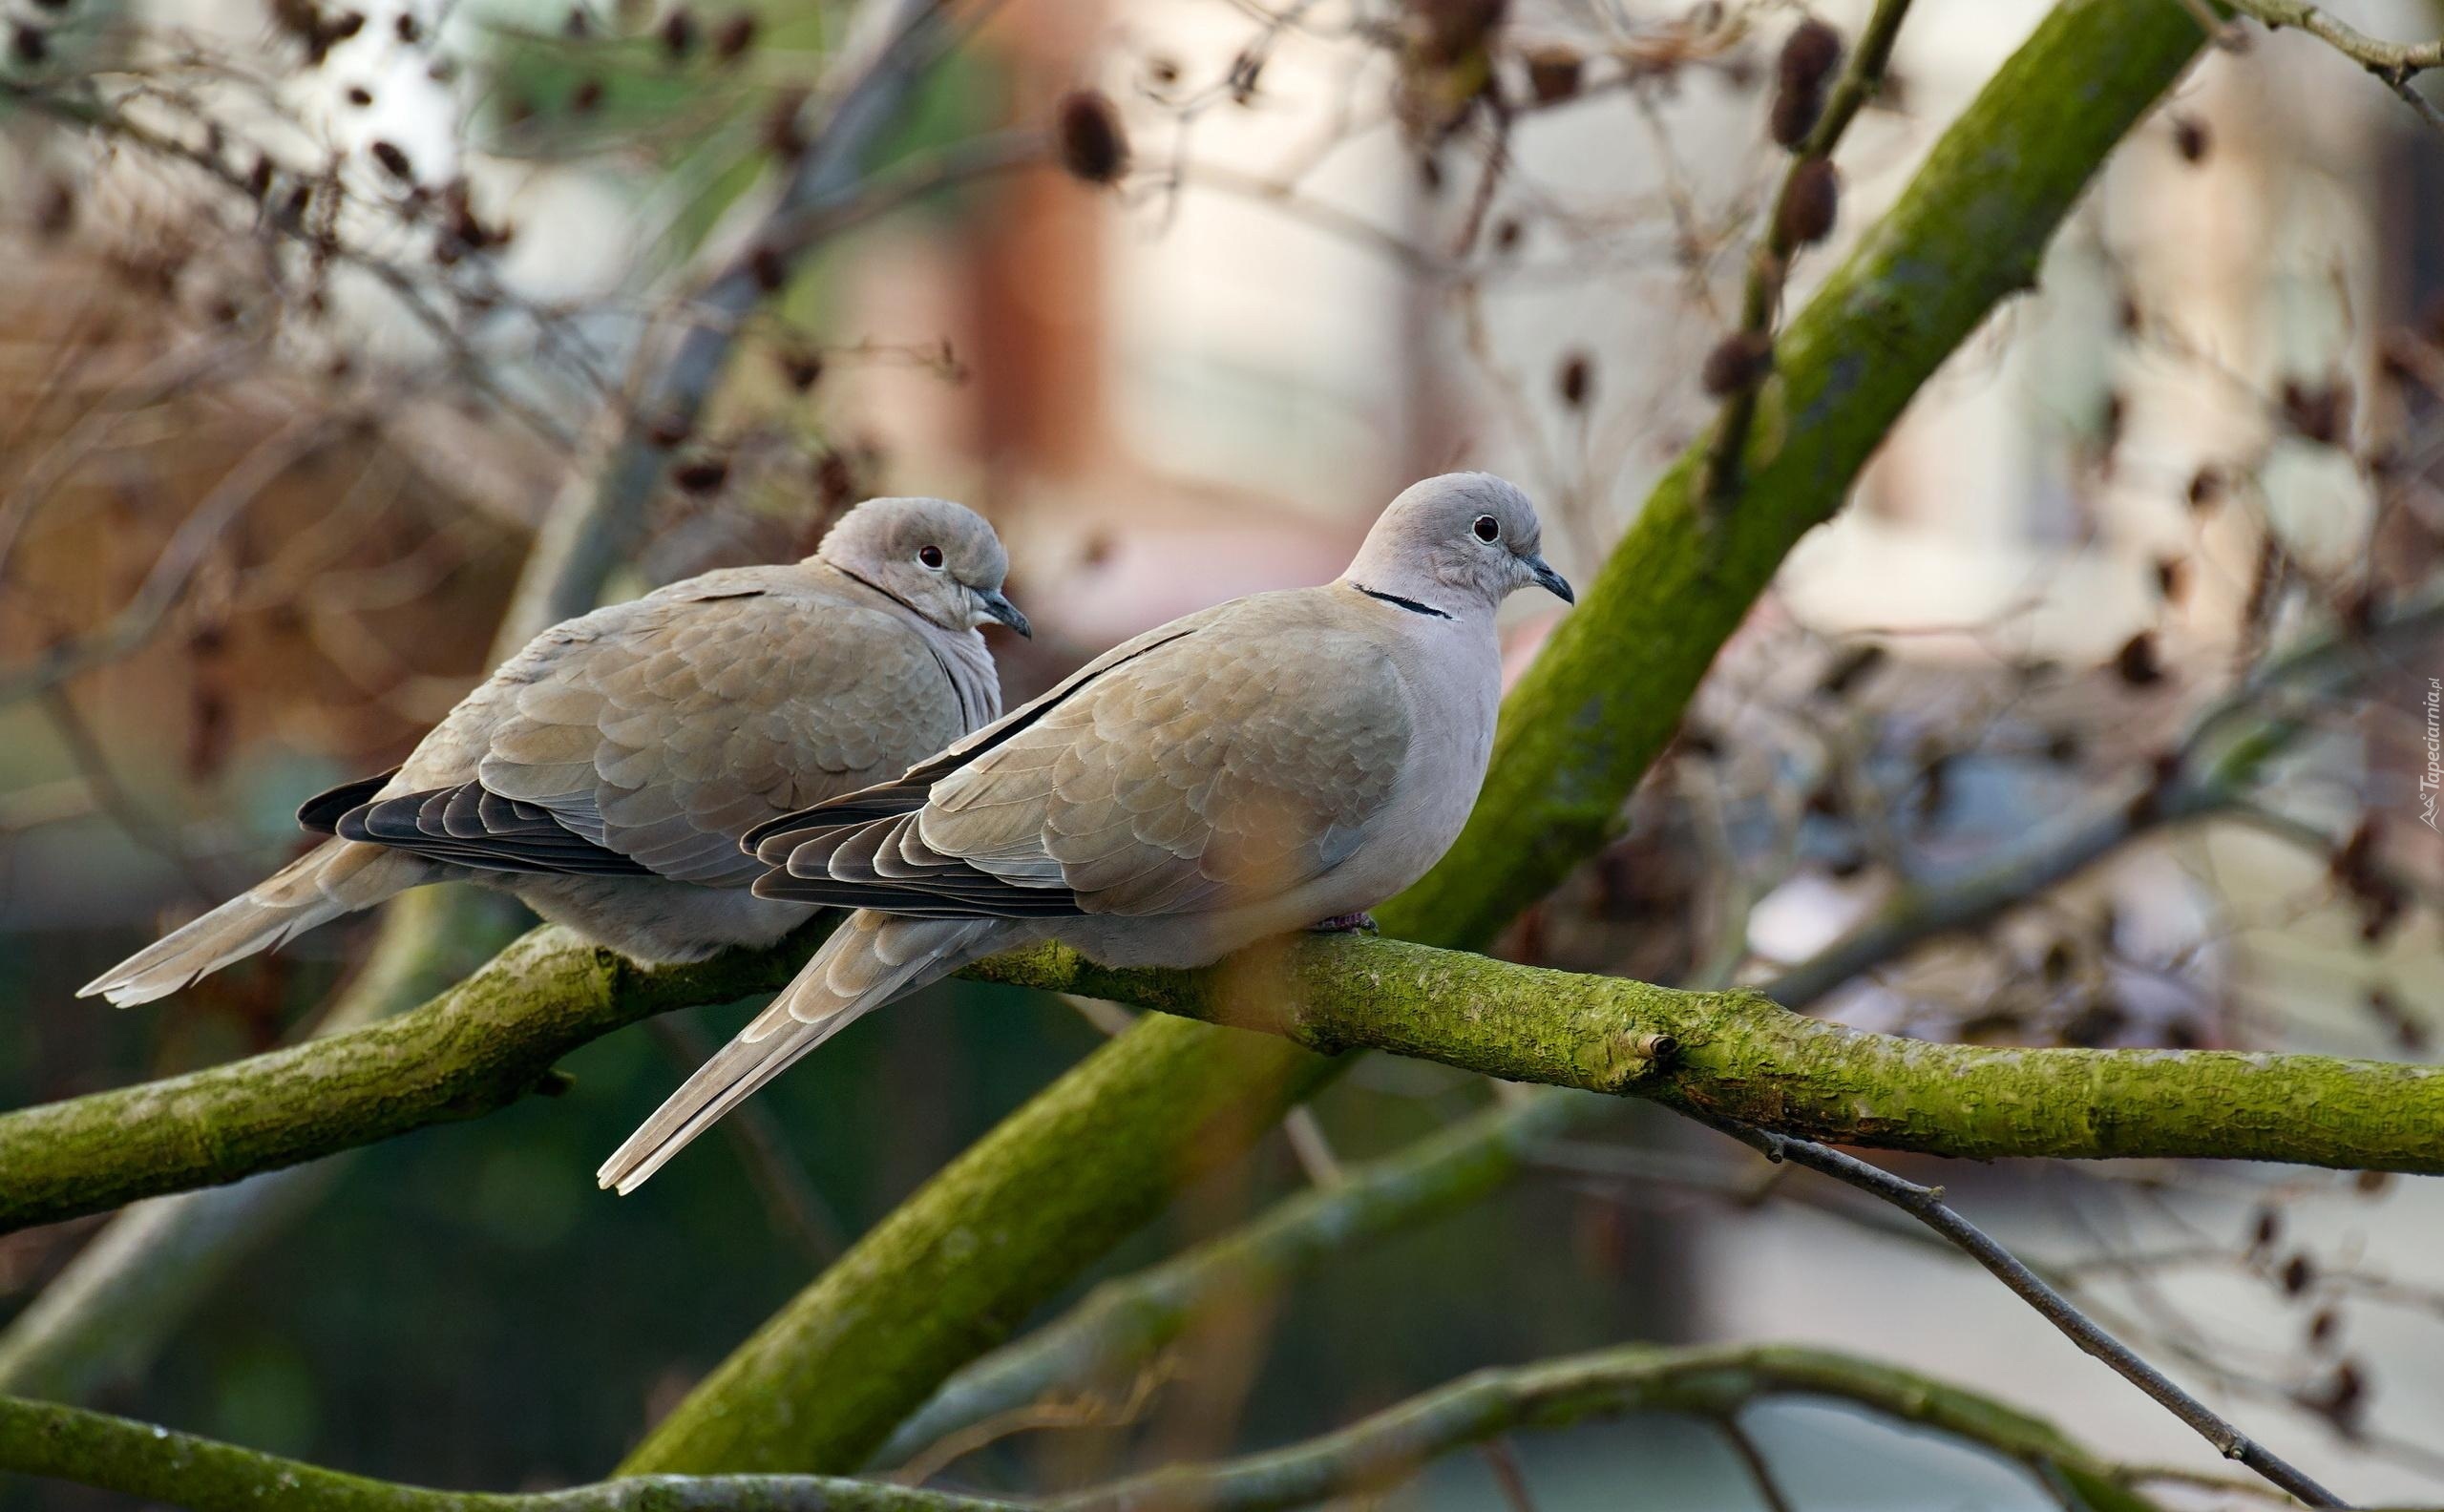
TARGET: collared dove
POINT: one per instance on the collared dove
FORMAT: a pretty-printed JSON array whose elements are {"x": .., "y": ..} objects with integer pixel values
[
  {"x": 606, "y": 773},
  {"x": 1282, "y": 761}
]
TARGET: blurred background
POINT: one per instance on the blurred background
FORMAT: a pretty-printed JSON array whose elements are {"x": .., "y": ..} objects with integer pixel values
[{"x": 312, "y": 317}]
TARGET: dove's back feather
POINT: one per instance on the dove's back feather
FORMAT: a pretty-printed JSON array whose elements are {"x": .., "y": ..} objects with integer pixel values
[
  {"x": 1170, "y": 777},
  {"x": 647, "y": 738}
]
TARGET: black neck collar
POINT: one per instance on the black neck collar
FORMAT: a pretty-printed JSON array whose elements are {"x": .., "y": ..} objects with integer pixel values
[
  {"x": 859, "y": 577},
  {"x": 1409, "y": 604}
]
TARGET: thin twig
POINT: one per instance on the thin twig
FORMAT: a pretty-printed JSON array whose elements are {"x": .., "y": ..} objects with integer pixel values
[
  {"x": 1927, "y": 1205},
  {"x": 1769, "y": 266},
  {"x": 1508, "y": 1478},
  {"x": 2367, "y": 51},
  {"x": 176, "y": 565},
  {"x": 101, "y": 118},
  {"x": 895, "y": 43},
  {"x": 2393, "y": 63},
  {"x": 1713, "y": 1382},
  {"x": 1760, "y": 1472},
  {"x": 2212, "y": 770}
]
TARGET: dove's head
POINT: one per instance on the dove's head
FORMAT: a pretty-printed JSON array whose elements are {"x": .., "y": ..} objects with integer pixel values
[
  {"x": 1464, "y": 539},
  {"x": 938, "y": 558}
]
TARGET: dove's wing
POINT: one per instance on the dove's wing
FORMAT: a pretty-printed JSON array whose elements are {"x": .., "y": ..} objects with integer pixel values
[
  {"x": 648, "y": 737},
  {"x": 1226, "y": 759}
]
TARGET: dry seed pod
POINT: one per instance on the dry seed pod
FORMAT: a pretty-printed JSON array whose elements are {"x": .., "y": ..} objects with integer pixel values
[
  {"x": 1737, "y": 362},
  {"x": 1810, "y": 202},
  {"x": 700, "y": 474},
  {"x": 734, "y": 37},
  {"x": 1554, "y": 75},
  {"x": 1093, "y": 146},
  {"x": 2190, "y": 139},
  {"x": 1808, "y": 54},
  {"x": 1575, "y": 380},
  {"x": 679, "y": 33},
  {"x": 1794, "y": 116},
  {"x": 2136, "y": 664}
]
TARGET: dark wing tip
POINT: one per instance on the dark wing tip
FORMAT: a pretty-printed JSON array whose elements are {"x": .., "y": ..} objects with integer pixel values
[{"x": 321, "y": 813}]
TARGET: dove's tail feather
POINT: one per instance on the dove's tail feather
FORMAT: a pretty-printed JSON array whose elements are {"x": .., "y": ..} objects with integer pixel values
[
  {"x": 871, "y": 960},
  {"x": 336, "y": 877}
]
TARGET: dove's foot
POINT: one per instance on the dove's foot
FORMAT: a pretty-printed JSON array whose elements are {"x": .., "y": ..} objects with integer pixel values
[{"x": 1360, "y": 923}]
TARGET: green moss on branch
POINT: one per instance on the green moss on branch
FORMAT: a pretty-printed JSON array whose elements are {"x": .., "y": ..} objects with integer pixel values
[
  {"x": 180, "y": 1470},
  {"x": 1741, "y": 1056},
  {"x": 1734, "y": 1055},
  {"x": 484, "y": 1044},
  {"x": 1709, "y": 1383}
]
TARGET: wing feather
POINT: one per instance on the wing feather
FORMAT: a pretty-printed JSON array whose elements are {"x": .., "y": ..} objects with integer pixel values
[
  {"x": 1170, "y": 776},
  {"x": 647, "y": 738}
]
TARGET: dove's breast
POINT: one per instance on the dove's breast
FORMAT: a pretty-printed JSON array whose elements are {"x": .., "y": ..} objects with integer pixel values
[{"x": 1451, "y": 672}]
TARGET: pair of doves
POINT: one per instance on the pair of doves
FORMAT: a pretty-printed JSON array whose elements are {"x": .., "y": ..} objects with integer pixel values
[{"x": 707, "y": 765}]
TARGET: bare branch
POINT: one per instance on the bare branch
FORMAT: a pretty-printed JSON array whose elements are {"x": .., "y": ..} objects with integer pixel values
[
  {"x": 1760, "y": 1471},
  {"x": 1769, "y": 266},
  {"x": 2394, "y": 63},
  {"x": 1927, "y": 1205},
  {"x": 175, "y": 567},
  {"x": 1709, "y": 1381}
]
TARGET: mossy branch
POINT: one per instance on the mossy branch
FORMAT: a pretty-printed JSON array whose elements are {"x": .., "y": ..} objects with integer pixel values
[
  {"x": 1726, "y": 1056},
  {"x": 203, "y": 1475},
  {"x": 481, "y": 1045},
  {"x": 1708, "y": 1382},
  {"x": 130, "y": 1287},
  {"x": 1740, "y": 1058},
  {"x": 184, "y": 1471}
]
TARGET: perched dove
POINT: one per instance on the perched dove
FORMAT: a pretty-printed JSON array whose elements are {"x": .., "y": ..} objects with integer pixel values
[
  {"x": 1273, "y": 763},
  {"x": 607, "y": 772}
]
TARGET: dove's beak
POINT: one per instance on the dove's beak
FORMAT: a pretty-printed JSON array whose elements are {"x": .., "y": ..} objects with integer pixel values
[
  {"x": 1549, "y": 580},
  {"x": 998, "y": 605}
]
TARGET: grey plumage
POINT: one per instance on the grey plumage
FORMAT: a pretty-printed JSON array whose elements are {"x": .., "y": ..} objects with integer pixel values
[
  {"x": 1246, "y": 771},
  {"x": 606, "y": 773}
]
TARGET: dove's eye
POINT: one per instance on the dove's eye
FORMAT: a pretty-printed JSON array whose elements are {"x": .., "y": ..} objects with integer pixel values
[
  {"x": 931, "y": 556},
  {"x": 1487, "y": 528}
]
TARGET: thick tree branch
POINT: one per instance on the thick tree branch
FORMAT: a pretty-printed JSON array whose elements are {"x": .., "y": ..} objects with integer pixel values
[
  {"x": 1733, "y": 1055},
  {"x": 1741, "y": 1057},
  {"x": 484, "y": 1044}
]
